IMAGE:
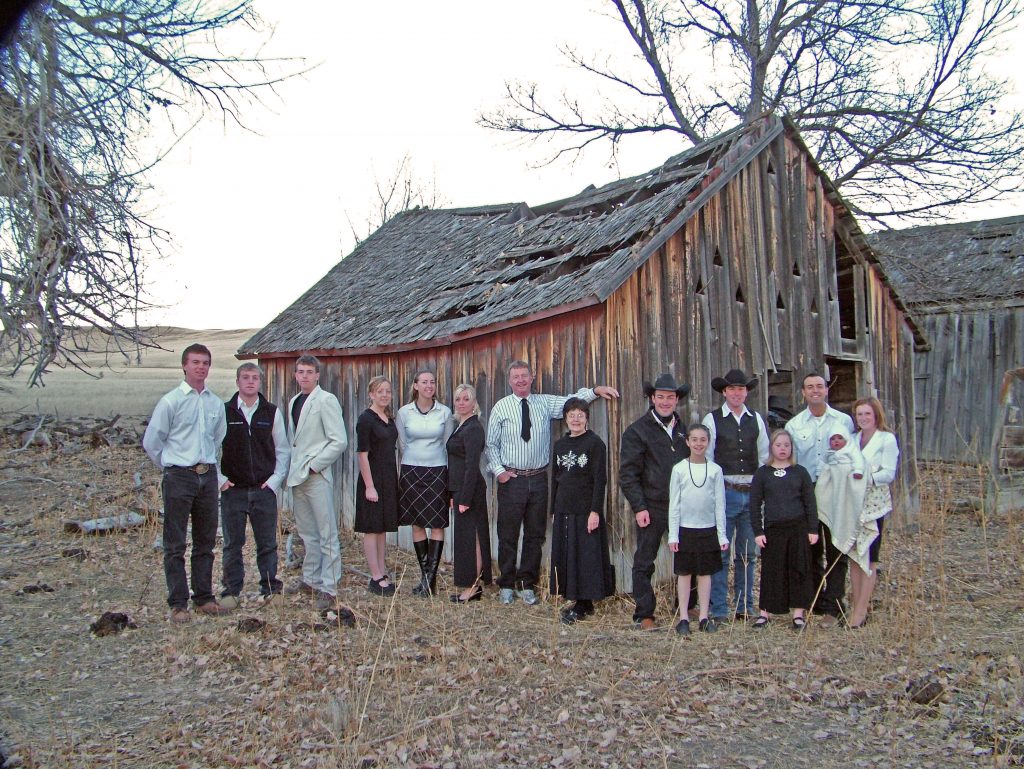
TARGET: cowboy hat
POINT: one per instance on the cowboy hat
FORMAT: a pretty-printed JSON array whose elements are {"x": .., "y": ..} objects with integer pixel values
[
  {"x": 666, "y": 382},
  {"x": 734, "y": 377}
]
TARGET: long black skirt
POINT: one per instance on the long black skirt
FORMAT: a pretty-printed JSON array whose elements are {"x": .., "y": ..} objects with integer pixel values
[
  {"x": 423, "y": 496},
  {"x": 698, "y": 554},
  {"x": 786, "y": 581},
  {"x": 469, "y": 528},
  {"x": 581, "y": 568}
]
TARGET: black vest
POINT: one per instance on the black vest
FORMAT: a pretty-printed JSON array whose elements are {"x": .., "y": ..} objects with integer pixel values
[
  {"x": 249, "y": 457},
  {"x": 736, "y": 444}
]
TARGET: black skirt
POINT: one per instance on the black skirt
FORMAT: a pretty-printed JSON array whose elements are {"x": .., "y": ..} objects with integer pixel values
[
  {"x": 699, "y": 552},
  {"x": 423, "y": 499},
  {"x": 786, "y": 581}
]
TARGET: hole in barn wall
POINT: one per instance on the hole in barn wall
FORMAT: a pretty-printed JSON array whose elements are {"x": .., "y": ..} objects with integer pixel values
[
  {"x": 779, "y": 304},
  {"x": 739, "y": 295},
  {"x": 717, "y": 261},
  {"x": 796, "y": 268}
]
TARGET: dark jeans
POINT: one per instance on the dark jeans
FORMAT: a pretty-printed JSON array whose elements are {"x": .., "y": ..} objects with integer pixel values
[
  {"x": 259, "y": 506},
  {"x": 522, "y": 503},
  {"x": 188, "y": 495},
  {"x": 826, "y": 559},
  {"x": 648, "y": 542}
]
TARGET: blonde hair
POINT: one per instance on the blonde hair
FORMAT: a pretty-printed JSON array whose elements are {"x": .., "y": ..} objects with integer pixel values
[
  {"x": 373, "y": 386},
  {"x": 792, "y": 445},
  {"x": 467, "y": 388},
  {"x": 876, "y": 406}
]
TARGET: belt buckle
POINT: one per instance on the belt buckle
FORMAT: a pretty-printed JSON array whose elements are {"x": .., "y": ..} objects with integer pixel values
[{"x": 201, "y": 468}]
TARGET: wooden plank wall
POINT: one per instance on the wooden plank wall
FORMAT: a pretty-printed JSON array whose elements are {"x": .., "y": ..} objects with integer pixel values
[{"x": 958, "y": 380}]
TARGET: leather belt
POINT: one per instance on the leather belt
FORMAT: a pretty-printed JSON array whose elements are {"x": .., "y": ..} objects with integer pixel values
[
  {"x": 201, "y": 469},
  {"x": 738, "y": 486},
  {"x": 527, "y": 473}
]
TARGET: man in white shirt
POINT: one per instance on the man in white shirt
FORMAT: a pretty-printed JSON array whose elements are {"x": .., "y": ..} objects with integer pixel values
[
  {"x": 811, "y": 429},
  {"x": 739, "y": 445},
  {"x": 183, "y": 438},
  {"x": 253, "y": 466},
  {"x": 518, "y": 453}
]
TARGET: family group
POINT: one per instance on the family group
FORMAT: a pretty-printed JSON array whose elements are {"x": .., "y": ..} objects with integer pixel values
[{"x": 808, "y": 499}]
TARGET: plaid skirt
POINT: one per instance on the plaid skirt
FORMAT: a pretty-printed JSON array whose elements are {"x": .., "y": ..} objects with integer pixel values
[{"x": 423, "y": 497}]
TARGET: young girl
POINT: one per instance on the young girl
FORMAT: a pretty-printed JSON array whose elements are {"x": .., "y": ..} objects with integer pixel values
[
  {"x": 696, "y": 525},
  {"x": 785, "y": 522}
]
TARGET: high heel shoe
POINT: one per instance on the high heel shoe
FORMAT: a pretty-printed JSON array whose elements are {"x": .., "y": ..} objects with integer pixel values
[{"x": 475, "y": 596}]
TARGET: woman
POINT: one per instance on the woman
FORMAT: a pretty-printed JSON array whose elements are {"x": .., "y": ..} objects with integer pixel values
[
  {"x": 881, "y": 456},
  {"x": 471, "y": 540},
  {"x": 423, "y": 429},
  {"x": 580, "y": 567},
  {"x": 377, "y": 486}
]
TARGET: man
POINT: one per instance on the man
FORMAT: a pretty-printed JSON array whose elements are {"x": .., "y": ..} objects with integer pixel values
[
  {"x": 811, "y": 429},
  {"x": 182, "y": 439},
  {"x": 739, "y": 445},
  {"x": 518, "y": 452},
  {"x": 318, "y": 439},
  {"x": 650, "y": 448},
  {"x": 253, "y": 465}
]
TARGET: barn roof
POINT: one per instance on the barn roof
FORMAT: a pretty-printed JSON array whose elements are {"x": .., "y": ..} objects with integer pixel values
[
  {"x": 429, "y": 277},
  {"x": 955, "y": 263}
]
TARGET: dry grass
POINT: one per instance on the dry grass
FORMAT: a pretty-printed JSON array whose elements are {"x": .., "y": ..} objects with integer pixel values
[{"x": 429, "y": 684}]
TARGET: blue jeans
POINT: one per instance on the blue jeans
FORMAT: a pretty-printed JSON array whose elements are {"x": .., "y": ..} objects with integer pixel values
[
  {"x": 189, "y": 496},
  {"x": 259, "y": 507},
  {"x": 743, "y": 554}
]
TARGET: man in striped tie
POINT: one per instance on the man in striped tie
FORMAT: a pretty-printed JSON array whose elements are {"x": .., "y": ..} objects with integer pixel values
[{"x": 518, "y": 453}]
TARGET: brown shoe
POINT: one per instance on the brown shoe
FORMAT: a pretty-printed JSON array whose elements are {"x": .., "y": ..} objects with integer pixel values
[
  {"x": 213, "y": 608},
  {"x": 295, "y": 588},
  {"x": 325, "y": 601},
  {"x": 647, "y": 623},
  {"x": 180, "y": 616},
  {"x": 828, "y": 621}
]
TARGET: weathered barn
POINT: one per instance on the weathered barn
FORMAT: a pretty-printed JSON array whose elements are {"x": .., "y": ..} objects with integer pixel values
[
  {"x": 738, "y": 252},
  {"x": 965, "y": 285}
]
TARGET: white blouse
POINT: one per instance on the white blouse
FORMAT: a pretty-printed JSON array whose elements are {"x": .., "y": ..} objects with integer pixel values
[
  {"x": 696, "y": 499},
  {"x": 422, "y": 437},
  {"x": 882, "y": 455}
]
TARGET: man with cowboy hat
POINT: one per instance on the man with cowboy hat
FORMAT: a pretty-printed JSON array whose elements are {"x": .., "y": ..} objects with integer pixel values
[
  {"x": 650, "y": 447},
  {"x": 739, "y": 444}
]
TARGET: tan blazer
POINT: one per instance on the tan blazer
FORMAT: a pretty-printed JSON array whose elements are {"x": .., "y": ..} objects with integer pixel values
[{"x": 319, "y": 439}]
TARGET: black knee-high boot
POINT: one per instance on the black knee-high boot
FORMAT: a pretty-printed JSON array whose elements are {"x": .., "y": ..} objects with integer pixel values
[
  {"x": 436, "y": 547},
  {"x": 422, "y": 549}
]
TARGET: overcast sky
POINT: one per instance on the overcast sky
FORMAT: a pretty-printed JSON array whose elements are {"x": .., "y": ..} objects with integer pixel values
[{"x": 257, "y": 218}]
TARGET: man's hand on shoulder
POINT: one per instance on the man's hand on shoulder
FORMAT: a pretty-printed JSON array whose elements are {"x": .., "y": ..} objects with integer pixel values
[{"x": 606, "y": 392}]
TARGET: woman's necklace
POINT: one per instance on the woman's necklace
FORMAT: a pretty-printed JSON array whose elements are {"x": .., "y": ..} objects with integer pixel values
[
  {"x": 422, "y": 412},
  {"x": 696, "y": 485},
  {"x": 780, "y": 472}
]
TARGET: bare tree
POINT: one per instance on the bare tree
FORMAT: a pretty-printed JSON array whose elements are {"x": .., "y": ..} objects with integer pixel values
[
  {"x": 891, "y": 96},
  {"x": 399, "y": 192},
  {"x": 80, "y": 80}
]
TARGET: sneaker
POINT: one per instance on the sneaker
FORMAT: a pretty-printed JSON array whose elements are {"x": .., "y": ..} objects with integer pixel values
[
  {"x": 180, "y": 616},
  {"x": 213, "y": 609},
  {"x": 708, "y": 626},
  {"x": 506, "y": 596},
  {"x": 325, "y": 601},
  {"x": 295, "y": 588},
  {"x": 529, "y": 597},
  {"x": 683, "y": 627},
  {"x": 230, "y": 602}
]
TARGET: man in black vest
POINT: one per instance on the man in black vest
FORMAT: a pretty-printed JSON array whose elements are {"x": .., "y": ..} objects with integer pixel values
[
  {"x": 253, "y": 466},
  {"x": 649, "y": 449},
  {"x": 739, "y": 445}
]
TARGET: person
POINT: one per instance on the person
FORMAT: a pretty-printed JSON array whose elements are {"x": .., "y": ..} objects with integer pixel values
[
  {"x": 648, "y": 450},
  {"x": 785, "y": 522},
  {"x": 739, "y": 445},
  {"x": 424, "y": 425},
  {"x": 318, "y": 439},
  {"x": 842, "y": 451},
  {"x": 253, "y": 466},
  {"x": 697, "y": 527},
  {"x": 182, "y": 438},
  {"x": 518, "y": 451},
  {"x": 881, "y": 456},
  {"x": 377, "y": 485},
  {"x": 581, "y": 569},
  {"x": 471, "y": 538},
  {"x": 811, "y": 429}
]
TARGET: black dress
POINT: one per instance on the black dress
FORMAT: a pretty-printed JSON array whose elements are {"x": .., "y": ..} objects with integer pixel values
[
  {"x": 580, "y": 566},
  {"x": 378, "y": 439},
  {"x": 468, "y": 487}
]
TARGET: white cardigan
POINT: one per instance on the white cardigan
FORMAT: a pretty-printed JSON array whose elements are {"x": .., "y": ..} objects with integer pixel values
[
  {"x": 696, "y": 507},
  {"x": 882, "y": 456}
]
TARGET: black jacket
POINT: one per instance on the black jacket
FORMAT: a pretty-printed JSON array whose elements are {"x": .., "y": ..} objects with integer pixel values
[{"x": 646, "y": 459}]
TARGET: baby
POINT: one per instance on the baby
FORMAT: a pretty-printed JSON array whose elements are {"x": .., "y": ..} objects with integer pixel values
[{"x": 843, "y": 451}]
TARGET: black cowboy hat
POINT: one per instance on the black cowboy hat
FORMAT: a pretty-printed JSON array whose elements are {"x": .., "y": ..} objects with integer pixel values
[
  {"x": 666, "y": 382},
  {"x": 734, "y": 377}
]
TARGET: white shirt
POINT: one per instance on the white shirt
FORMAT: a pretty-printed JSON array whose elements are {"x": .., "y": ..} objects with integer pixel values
[
  {"x": 811, "y": 434},
  {"x": 422, "y": 437},
  {"x": 187, "y": 428},
  {"x": 696, "y": 505},
  {"x": 762, "y": 438},
  {"x": 282, "y": 448},
  {"x": 505, "y": 445},
  {"x": 882, "y": 455}
]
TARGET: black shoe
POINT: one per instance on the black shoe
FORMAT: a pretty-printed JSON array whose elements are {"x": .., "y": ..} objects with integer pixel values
[
  {"x": 571, "y": 616},
  {"x": 375, "y": 586},
  {"x": 708, "y": 626},
  {"x": 683, "y": 627},
  {"x": 475, "y": 596},
  {"x": 583, "y": 608}
]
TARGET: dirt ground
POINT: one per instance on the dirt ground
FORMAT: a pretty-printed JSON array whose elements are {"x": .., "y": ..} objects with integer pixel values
[{"x": 934, "y": 680}]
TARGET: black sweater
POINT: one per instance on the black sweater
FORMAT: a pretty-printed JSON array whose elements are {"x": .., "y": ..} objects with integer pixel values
[{"x": 784, "y": 499}]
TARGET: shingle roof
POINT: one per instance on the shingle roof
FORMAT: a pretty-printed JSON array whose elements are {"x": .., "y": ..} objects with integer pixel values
[{"x": 955, "y": 263}]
